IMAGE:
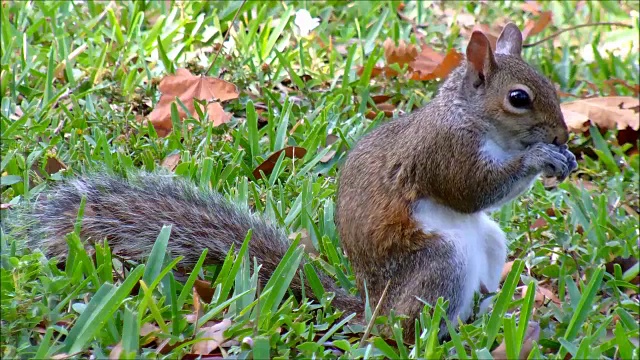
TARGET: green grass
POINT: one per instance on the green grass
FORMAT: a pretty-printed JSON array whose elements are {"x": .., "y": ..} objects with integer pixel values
[{"x": 84, "y": 115}]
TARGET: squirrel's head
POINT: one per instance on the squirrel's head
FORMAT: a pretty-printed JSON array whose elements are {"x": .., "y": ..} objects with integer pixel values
[{"x": 519, "y": 102}]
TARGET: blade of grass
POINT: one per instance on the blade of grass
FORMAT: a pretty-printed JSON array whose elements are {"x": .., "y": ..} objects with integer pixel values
[{"x": 102, "y": 305}]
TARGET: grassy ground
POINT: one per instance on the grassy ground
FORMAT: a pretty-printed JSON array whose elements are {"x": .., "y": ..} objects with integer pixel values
[{"x": 82, "y": 113}]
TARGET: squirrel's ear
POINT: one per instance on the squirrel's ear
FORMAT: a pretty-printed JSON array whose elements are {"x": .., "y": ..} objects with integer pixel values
[
  {"x": 510, "y": 41},
  {"x": 479, "y": 55}
]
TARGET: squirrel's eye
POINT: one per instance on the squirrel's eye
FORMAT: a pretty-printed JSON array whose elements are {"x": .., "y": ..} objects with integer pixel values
[{"x": 519, "y": 99}]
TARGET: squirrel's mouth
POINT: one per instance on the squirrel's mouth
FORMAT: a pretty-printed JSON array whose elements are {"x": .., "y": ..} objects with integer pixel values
[{"x": 526, "y": 144}]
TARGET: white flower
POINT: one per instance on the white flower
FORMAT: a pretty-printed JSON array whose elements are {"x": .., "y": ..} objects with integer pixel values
[
  {"x": 229, "y": 45},
  {"x": 305, "y": 22}
]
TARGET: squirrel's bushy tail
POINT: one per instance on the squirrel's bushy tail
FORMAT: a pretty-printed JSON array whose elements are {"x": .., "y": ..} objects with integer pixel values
[{"x": 130, "y": 213}]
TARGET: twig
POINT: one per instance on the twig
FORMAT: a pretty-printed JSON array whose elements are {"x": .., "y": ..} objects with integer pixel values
[
  {"x": 367, "y": 331},
  {"x": 226, "y": 36},
  {"x": 573, "y": 28},
  {"x": 416, "y": 26}
]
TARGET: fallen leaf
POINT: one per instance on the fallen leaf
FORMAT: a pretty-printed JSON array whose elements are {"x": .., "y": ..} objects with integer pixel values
[
  {"x": 267, "y": 166},
  {"x": 378, "y": 99},
  {"x": 54, "y": 165},
  {"x": 403, "y": 54},
  {"x": 548, "y": 294},
  {"x": 217, "y": 114},
  {"x": 539, "y": 223},
  {"x": 609, "y": 112},
  {"x": 430, "y": 65},
  {"x": 328, "y": 142},
  {"x": 305, "y": 240},
  {"x": 148, "y": 329},
  {"x": 542, "y": 294},
  {"x": 171, "y": 161},
  {"x": 606, "y": 113},
  {"x": 116, "y": 351},
  {"x": 536, "y": 26},
  {"x": 212, "y": 337},
  {"x": 531, "y": 6},
  {"x": 531, "y": 334},
  {"x": 289, "y": 83},
  {"x": 204, "y": 290},
  {"x": 625, "y": 264},
  {"x": 505, "y": 270},
  {"x": 376, "y": 71},
  {"x": 387, "y": 108},
  {"x": 427, "y": 64},
  {"x": 187, "y": 88}
]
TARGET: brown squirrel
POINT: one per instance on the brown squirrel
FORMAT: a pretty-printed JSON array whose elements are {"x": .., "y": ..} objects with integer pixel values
[{"x": 412, "y": 195}]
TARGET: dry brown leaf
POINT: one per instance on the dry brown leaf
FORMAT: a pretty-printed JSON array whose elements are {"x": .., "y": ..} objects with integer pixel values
[
  {"x": 427, "y": 64},
  {"x": 387, "y": 108},
  {"x": 430, "y": 65},
  {"x": 54, "y": 165},
  {"x": 531, "y": 6},
  {"x": 609, "y": 112},
  {"x": 212, "y": 338},
  {"x": 305, "y": 240},
  {"x": 267, "y": 166},
  {"x": 551, "y": 212},
  {"x": 204, "y": 290},
  {"x": 505, "y": 270},
  {"x": 532, "y": 334},
  {"x": 403, "y": 54},
  {"x": 187, "y": 88},
  {"x": 625, "y": 264},
  {"x": 328, "y": 142},
  {"x": 376, "y": 71},
  {"x": 148, "y": 329},
  {"x": 378, "y": 99},
  {"x": 116, "y": 351},
  {"x": 542, "y": 294},
  {"x": 171, "y": 161},
  {"x": 371, "y": 115},
  {"x": 536, "y": 26},
  {"x": 539, "y": 223},
  {"x": 548, "y": 294}
]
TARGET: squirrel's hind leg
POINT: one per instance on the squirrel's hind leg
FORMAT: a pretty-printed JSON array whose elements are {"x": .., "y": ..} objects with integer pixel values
[{"x": 432, "y": 272}]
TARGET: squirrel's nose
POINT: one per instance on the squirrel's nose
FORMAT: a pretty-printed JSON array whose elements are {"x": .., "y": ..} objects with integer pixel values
[{"x": 561, "y": 135}]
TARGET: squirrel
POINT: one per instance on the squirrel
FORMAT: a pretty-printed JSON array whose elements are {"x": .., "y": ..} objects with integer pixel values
[{"x": 413, "y": 195}]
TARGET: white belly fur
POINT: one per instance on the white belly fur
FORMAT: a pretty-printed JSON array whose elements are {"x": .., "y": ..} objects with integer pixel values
[{"x": 479, "y": 241}]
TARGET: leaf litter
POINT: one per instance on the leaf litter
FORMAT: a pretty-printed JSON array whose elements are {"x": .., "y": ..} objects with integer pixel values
[
  {"x": 268, "y": 165},
  {"x": 188, "y": 87},
  {"x": 423, "y": 65},
  {"x": 606, "y": 113}
]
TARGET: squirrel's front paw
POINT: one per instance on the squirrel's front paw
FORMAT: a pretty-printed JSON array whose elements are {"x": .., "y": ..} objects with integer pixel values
[
  {"x": 552, "y": 160},
  {"x": 571, "y": 162}
]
